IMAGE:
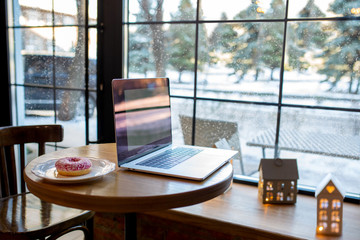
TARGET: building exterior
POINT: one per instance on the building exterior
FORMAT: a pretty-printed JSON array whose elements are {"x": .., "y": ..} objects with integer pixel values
[{"x": 278, "y": 181}]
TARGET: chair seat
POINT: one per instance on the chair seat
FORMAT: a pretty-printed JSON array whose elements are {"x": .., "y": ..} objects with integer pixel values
[{"x": 29, "y": 217}]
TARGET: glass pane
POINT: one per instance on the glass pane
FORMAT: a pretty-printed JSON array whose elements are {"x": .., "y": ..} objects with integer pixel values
[
  {"x": 93, "y": 13},
  {"x": 324, "y": 64},
  {"x": 140, "y": 55},
  {"x": 93, "y": 121},
  {"x": 70, "y": 57},
  {"x": 238, "y": 124},
  {"x": 70, "y": 114},
  {"x": 321, "y": 8},
  {"x": 35, "y": 40},
  {"x": 31, "y": 13},
  {"x": 93, "y": 128},
  {"x": 179, "y": 107},
  {"x": 93, "y": 58},
  {"x": 39, "y": 102},
  {"x": 38, "y": 68},
  {"x": 35, "y": 105},
  {"x": 237, "y": 68},
  {"x": 322, "y": 141},
  {"x": 181, "y": 58},
  {"x": 71, "y": 105},
  {"x": 69, "y": 12},
  {"x": 170, "y": 53},
  {"x": 248, "y": 9},
  {"x": 162, "y": 10},
  {"x": 31, "y": 50}
]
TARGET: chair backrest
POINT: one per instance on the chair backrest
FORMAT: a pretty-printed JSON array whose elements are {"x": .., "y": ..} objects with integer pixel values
[
  {"x": 20, "y": 135},
  {"x": 208, "y": 132}
]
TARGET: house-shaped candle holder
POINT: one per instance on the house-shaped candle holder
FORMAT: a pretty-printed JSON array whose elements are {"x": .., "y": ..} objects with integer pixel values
[
  {"x": 330, "y": 196},
  {"x": 278, "y": 181}
]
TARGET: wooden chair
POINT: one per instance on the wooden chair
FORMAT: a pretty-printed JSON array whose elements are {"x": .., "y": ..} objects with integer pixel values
[
  {"x": 22, "y": 214},
  {"x": 208, "y": 132}
]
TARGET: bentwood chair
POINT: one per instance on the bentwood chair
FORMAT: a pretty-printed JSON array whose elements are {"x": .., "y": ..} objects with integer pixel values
[
  {"x": 22, "y": 214},
  {"x": 208, "y": 132}
]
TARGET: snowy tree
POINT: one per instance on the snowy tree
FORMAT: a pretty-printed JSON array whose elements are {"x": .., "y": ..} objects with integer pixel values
[
  {"x": 140, "y": 56},
  {"x": 305, "y": 37},
  {"x": 182, "y": 39},
  {"x": 248, "y": 53},
  {"x": 153, "y": 11},
  {"x": 271, "y": 54},
  {"x": 222, "y": 40},
  {"x": 140, "y": 59},
  {"x": 342, "y": 52}
]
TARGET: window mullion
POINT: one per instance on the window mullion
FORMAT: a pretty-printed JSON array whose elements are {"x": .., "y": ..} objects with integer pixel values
[{"x": 281, "y": 84}]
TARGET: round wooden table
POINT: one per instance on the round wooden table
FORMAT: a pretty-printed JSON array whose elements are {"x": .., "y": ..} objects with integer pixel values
[{"x": 124, "y": 191}]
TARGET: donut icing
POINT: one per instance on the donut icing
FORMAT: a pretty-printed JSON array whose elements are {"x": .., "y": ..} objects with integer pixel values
[{"x": 73, "y": 166}]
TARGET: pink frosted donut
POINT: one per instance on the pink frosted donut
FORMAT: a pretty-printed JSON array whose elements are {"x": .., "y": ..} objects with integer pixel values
[{"x": 73, "y": 166}]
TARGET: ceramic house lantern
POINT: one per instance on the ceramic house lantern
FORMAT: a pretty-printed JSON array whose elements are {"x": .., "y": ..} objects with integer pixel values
[
  {"x": 330, "y": 196},
  {"x": 278, "y": 181}
]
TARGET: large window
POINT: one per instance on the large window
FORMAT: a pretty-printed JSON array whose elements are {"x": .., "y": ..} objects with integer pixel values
[
  {"x": 286, "y": 73},
  {"x": 53, "y": 45}
]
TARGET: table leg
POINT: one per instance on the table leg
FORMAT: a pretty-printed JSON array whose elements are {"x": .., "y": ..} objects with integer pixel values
[{"x": 130, "y": 226}]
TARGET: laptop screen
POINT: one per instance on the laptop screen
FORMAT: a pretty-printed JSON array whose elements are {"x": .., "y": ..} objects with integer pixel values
[{"x": 142, "y": 116}]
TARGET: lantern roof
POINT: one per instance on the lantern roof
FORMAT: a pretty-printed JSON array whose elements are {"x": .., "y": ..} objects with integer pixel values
[
  {"x": 328, "y": 181},
  {"x": 279, "y": 169}
]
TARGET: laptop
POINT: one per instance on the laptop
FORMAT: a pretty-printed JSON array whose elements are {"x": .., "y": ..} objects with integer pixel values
[{"x": 144, "y": 138}]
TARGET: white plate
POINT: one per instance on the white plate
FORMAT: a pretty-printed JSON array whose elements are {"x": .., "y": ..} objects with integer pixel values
[{"x": 47, "y": 171}]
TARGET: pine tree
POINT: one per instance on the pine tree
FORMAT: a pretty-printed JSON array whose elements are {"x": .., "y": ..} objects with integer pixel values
[
  {"x": 305, "y": 37},
  {"x": 153, "y": 11},
  {"x": 342, "y": 52},
  {"x": 181, "y": 37},
  {"x": 140, "y": 57},
  {"x": 271, "y": 54},
  {"x": 222, "y": 40},
  {"x": 247, "y": 54}
]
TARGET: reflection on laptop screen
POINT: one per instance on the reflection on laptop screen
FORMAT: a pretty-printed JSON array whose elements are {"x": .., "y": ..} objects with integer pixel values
[
  {"x": 142, "y": 116},
  {"x": 148, "y": 122}
]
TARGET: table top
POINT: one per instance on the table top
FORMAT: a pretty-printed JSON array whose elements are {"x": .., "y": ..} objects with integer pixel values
[
  {"x": 121, "y": 190},
  {"x": 311, "y": 142}
]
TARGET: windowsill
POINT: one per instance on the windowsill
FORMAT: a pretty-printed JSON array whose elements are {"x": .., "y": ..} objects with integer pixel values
[
  {"x": 302, "y": 189},
  {"x": 239, "y": 212}
]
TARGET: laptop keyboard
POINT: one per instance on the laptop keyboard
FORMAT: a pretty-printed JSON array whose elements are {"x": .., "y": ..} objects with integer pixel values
[{"x": 170, "y": 158}]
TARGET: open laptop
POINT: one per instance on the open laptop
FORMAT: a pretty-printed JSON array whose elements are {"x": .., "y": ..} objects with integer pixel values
[{"x": 143, "y": 133}]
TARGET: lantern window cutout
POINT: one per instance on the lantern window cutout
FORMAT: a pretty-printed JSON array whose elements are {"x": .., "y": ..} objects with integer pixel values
[
  {"x": 290, "y": 197},
  {"x": 278, "y": 181},
  {"x": 335, "y": 216},
  {"x": 324, "y": 203},
  {"x": 330, "y": 195},
  {"x": 336, "y": 204},
  {"x": 323, "y": 215},
  {"x": 269, "y": 186}
]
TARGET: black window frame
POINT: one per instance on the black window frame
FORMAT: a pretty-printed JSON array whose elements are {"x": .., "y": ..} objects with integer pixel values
[
  {"x": 110, "y": 64},
  {"x": 5, "y": 119},
  {"x": 53, "y": 87},
  {"x": 280, "y": 105}
]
